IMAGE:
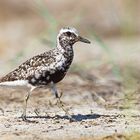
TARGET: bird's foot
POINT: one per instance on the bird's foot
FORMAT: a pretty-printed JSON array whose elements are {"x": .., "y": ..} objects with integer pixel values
[
  {"x": 24, "y": 118},
  {"x": 62, "y": 106},
  {"x": 37, "y": 112}
]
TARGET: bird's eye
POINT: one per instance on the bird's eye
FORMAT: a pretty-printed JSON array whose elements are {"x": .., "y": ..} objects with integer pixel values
[{"x": 69, "y": 33}]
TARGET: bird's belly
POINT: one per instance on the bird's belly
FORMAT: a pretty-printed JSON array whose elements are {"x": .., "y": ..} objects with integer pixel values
[
  {"x": 57, "y": 76},
  {"x": 47, "y": 78}
]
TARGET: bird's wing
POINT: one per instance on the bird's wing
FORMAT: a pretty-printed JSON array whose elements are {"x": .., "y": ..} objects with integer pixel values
[{"x": 29, "y": 68}]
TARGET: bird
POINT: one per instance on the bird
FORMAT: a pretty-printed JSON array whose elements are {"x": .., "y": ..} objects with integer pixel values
[{"x": 45, "y": 69}]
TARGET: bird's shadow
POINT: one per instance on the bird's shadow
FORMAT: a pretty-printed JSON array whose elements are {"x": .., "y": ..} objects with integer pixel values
[{"x": 78, "y": 117}]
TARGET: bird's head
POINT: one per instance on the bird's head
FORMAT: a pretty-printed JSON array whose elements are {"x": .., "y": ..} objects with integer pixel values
[{"x": 69, "y": 36}]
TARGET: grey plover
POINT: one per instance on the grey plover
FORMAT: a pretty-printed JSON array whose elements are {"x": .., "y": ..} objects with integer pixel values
[{"x": 45, "y": 69}]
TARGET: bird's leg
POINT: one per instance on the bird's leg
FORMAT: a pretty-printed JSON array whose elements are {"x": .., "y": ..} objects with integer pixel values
[
  {"x": 54, "y": 91},
  {"x": 25, "y": 106},
  {"x": 59, "y": 102},
  {"x": 23, "y": 116}
]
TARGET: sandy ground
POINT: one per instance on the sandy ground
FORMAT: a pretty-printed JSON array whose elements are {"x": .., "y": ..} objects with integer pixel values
[
  {"x": 95, "y": 115},
  {"x": 90, "y": 121}
]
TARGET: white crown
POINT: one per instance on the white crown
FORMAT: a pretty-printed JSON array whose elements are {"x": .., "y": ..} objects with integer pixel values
[{"x": 68, "y": 29}]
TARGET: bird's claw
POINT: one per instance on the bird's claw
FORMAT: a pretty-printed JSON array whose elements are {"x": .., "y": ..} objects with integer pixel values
[{"x": 24, "y": 118}]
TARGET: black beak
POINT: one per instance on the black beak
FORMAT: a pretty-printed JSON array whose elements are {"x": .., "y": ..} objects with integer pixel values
[{"x": 83, "y": 40}]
